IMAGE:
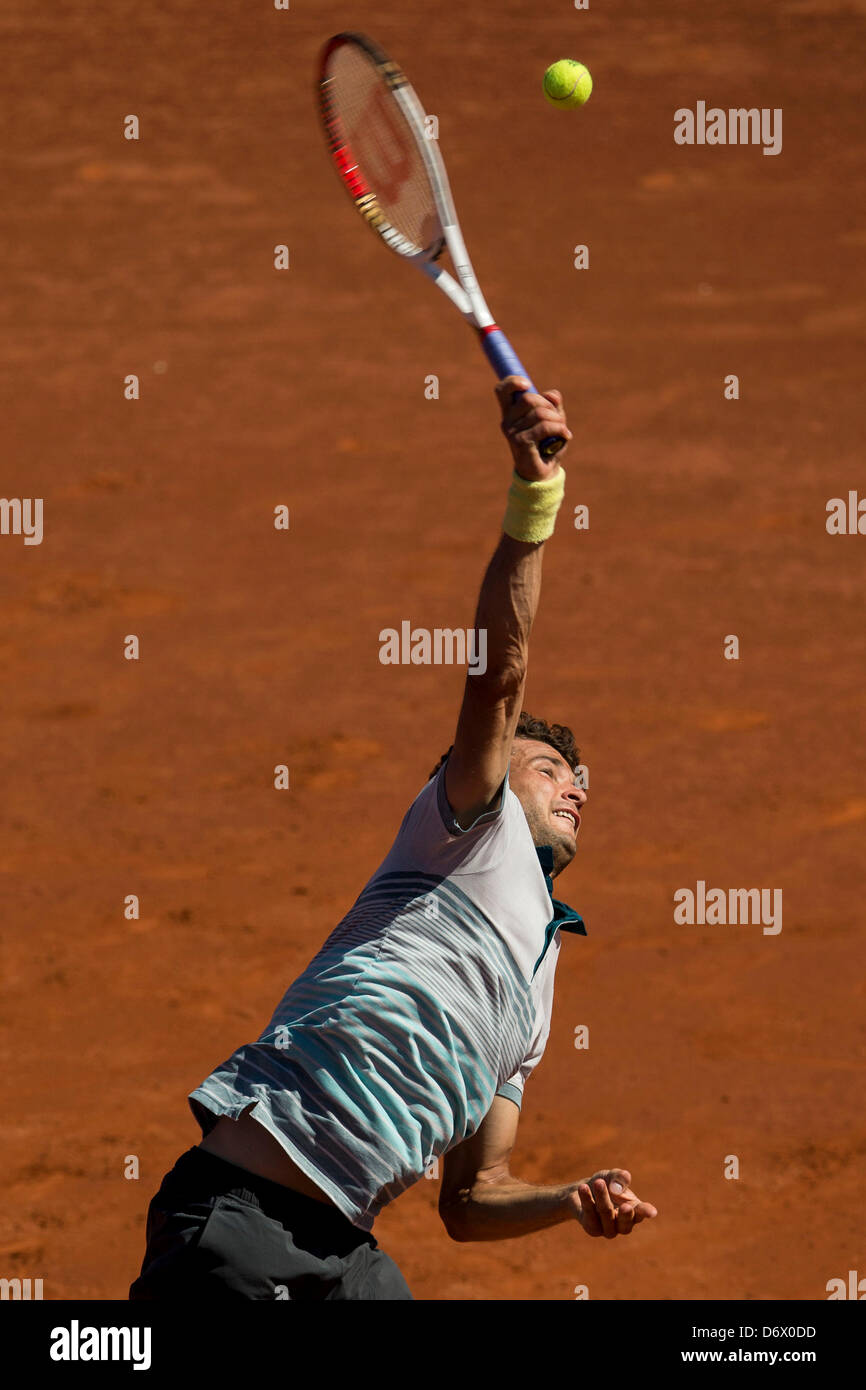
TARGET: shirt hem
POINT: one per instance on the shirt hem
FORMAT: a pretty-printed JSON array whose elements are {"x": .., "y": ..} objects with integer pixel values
[{"x": 262, "y": 1116}]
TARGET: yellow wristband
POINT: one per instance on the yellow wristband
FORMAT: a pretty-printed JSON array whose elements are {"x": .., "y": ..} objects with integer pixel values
[{"x": 532, "y": 507}]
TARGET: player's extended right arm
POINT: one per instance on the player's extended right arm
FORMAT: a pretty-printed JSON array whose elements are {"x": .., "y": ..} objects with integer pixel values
[{"x": 506, "y": 609}]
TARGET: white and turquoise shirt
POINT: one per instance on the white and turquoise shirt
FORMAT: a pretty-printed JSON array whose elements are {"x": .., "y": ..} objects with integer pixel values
[{"x": 432, "y": 996}]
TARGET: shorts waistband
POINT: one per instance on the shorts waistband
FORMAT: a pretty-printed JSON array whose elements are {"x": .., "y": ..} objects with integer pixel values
[{"x": 198, "y": 1173}]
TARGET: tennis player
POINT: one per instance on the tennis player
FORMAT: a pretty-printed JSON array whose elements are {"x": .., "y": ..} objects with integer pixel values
[{"x": 410, "y": 1036}]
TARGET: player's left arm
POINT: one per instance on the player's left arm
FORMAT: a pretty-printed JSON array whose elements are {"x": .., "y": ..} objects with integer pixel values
[
  {"x": 480, "y": 1198},
  {"x": 506, "y": 609}
]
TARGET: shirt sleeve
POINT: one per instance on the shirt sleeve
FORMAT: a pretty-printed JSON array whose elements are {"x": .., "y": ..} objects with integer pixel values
[{"x": 431, "y": 840}]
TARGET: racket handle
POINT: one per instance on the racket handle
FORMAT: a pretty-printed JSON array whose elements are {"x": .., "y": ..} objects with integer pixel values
[{"x": 505, "y": 362}]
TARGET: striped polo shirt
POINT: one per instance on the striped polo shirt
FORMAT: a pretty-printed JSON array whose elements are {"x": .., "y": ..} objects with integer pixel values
[{"x": 432, "y": 996}]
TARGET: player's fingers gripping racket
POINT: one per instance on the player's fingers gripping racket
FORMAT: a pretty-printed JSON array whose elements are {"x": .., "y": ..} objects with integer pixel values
[{"x": 374, "y": 125}]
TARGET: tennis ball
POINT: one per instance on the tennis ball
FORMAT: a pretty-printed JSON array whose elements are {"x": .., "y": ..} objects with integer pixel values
[{"x": 567, "y": 84}]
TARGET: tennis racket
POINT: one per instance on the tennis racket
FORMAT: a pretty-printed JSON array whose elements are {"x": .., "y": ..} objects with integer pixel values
[{"x": 374, "y": 125}]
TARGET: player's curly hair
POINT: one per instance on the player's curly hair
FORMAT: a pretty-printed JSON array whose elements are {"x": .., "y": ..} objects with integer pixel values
[{"x": 559, "y": 736}]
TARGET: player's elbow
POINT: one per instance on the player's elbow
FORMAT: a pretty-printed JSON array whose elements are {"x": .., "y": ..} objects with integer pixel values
[
  {"x": 453, "y": 1217},
  {"x": 466, "y": 1217},
  {"x": 459, "y": 1232}
]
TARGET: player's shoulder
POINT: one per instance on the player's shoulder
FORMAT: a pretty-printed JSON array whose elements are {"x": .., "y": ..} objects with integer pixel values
[
  {"x": 433, "y": 801},
  {"x": 430, "y": 837}
]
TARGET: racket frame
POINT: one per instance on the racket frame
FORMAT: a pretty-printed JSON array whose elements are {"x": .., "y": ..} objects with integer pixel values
[{"x": 464, "y": 292}]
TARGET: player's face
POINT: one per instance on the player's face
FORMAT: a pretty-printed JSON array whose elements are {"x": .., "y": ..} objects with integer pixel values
[{"x": 544, "y": 784}]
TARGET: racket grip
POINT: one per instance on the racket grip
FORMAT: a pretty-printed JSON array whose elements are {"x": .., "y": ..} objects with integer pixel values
[{"x": 505, "y": 362}]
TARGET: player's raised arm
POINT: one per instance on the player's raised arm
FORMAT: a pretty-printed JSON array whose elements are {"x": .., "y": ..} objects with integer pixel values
[{"x": 508, "y": 602}]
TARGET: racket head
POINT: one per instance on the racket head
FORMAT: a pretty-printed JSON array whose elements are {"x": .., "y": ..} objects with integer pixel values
[{"x": 373, "y": 124}]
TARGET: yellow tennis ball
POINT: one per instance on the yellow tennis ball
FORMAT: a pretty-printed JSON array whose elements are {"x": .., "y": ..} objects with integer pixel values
[{"x": 567, "y": 84}]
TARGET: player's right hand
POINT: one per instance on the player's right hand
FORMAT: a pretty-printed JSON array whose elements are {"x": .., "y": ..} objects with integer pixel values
[
  {"x": 606, "y": 1206},
  {"x": 527, "y": 421}
]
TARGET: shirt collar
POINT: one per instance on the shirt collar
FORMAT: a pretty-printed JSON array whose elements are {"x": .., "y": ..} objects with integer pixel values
[{"x": 564, "y": 917}]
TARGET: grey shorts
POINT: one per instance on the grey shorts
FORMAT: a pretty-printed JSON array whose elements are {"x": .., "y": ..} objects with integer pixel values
[{"x": 216, "y": 1231}]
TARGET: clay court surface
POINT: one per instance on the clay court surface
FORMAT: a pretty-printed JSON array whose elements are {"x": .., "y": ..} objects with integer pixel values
[{"x": 258, "y": 647}]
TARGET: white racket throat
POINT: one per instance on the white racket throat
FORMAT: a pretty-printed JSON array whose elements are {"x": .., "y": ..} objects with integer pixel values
[{"x": 467, "y": 294}]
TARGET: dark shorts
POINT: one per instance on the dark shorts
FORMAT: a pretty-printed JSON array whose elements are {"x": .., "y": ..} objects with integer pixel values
[{"x": 216, "y": 1231}]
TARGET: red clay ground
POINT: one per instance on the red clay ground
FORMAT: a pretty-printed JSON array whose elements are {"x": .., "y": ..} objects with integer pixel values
[{"x": 306, "y": 388}]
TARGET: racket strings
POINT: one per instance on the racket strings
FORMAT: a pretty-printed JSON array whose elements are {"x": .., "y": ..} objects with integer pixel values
[{"x": 383, "y": 146}]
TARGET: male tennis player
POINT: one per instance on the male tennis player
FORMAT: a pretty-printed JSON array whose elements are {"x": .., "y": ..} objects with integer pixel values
[{"x": 411, "y": 1034}]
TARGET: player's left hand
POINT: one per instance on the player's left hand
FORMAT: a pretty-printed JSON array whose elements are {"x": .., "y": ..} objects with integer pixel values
[{"x": 606, "y": 1206}]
